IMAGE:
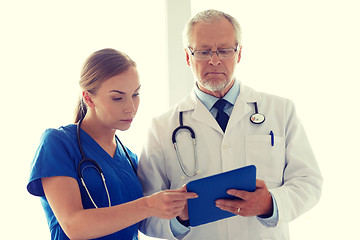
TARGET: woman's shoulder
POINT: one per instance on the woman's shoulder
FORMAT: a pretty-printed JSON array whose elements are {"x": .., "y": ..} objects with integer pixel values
[
  {"x": 62, "y": 134},
  {"x": 54, "y": 157}
]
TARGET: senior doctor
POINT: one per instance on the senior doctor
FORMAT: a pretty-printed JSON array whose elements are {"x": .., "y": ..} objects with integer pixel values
[{"x": 257, "y": 129}]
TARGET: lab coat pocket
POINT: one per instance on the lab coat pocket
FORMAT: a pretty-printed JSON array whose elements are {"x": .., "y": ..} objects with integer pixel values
[{"x": 268, "y": 158}]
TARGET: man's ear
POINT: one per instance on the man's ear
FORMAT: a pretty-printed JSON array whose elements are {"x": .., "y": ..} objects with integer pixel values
[
  {"x": 239, "y": 54},
  {"x": 187, "y": 57},
  {"x": 87, "y": 99}
]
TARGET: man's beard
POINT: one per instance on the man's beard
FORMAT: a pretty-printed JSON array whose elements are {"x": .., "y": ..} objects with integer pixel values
[{"x": 214, "y": 86}]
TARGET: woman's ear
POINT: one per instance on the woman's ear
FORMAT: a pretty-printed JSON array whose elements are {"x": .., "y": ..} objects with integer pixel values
[{"x": 87, "y": 99}]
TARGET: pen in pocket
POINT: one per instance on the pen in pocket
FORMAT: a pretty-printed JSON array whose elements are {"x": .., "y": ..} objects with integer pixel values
[{"x": 272, "y": 138}]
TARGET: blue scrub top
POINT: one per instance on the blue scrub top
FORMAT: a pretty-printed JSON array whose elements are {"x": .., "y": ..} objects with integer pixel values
[{"x": 59, "y": 154}]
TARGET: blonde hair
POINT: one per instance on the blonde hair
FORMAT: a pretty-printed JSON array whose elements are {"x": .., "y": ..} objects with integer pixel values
[
  {"x": 99, "y": 67},
  {"x": 209, "y": 16}
]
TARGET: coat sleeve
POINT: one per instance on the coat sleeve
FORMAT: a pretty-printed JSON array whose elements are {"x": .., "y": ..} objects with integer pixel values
[
  {"x": 152, "y": 175},
  {"x": 302, "y": 178}
]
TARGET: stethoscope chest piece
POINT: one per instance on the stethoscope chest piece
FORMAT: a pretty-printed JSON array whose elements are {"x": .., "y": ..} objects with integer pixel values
[{"x": 257, "y": 118}]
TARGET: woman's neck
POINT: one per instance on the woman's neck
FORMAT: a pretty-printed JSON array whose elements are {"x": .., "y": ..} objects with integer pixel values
[{"x": 105, "y": 137}]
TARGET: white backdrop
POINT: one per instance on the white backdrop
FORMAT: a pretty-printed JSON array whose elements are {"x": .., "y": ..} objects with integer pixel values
[{"x": 305, "y": 50}]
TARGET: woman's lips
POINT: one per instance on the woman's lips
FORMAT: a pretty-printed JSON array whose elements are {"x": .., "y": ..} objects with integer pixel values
[{"x": 127, "y": 120}]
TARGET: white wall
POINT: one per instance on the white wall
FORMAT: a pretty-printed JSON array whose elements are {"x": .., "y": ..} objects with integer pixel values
[{"x": 179, "y": 78}]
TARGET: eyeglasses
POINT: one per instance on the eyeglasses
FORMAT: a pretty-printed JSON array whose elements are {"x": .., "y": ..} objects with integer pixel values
[{"x": 222, "y": 53}]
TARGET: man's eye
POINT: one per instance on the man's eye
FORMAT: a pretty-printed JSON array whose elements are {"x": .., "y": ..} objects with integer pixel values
[
  {"x": 203, "y": 53},
  {"x": 226, "y": 51}
]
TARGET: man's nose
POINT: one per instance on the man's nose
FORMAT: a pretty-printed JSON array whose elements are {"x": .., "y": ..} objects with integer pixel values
[{"x": 214, "y": 58}]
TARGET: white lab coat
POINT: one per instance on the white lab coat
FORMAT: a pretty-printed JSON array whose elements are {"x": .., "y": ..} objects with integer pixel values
[{"x": 288, "y": 168}]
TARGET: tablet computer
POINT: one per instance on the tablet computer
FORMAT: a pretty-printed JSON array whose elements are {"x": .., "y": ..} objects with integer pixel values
[{"x": 202, "y": 210}]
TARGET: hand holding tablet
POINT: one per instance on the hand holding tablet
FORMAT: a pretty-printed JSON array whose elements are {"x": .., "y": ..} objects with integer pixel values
[{"x": 203, "y": 210}]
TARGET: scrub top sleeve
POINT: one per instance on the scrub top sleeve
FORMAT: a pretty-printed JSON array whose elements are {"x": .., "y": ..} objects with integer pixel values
[{"x": 54, "y": 157}]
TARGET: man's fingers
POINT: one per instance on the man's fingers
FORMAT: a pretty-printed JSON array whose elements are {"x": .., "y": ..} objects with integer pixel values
[
  {"x": 238, "y": 193},
  {"x": 245, "y": 194},
  {"x": 260, "y": 183},
  {"x": 230, "y": 206},
  {"x": 228, "y": 203}
]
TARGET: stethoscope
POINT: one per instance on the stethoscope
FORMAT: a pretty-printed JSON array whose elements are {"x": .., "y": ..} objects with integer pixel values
[
  {"x": 95, "y": 165},
  {"x": 255, "y": 118},
  {"x": 192, "y": 134}
]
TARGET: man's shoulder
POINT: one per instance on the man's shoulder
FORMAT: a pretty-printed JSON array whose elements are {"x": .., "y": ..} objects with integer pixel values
[{"x": 263, "y": 95}]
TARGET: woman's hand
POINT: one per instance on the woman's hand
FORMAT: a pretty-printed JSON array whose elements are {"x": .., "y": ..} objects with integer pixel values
[{"x": 170, "y": 203}]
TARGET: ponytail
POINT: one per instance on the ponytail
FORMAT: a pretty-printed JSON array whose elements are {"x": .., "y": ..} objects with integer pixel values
[{"x": 80, "y": 110}]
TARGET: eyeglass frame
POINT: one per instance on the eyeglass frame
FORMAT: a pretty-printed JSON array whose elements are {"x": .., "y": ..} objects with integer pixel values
[{"x": 211, "y": 52}]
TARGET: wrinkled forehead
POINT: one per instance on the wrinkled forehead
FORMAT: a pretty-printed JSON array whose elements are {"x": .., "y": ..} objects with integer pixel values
[{"x": 219, "y": 34}]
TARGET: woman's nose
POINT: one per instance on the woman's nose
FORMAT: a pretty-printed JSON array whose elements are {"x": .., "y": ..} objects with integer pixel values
[{"x": 130, "y": 106}]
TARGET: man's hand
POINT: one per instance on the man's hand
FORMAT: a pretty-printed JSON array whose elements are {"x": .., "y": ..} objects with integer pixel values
[{"x": 248, "y": 203}]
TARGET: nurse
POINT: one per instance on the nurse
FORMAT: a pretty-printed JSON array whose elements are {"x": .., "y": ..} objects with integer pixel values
[
  {"x": 235, "y": 126},
  {"x": 110, "y": 99}
]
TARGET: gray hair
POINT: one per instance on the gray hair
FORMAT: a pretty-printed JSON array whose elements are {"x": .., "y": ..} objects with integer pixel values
[{"x": 209, "y": 16}]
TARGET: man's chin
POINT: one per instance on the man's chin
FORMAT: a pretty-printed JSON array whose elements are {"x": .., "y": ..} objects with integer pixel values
[{"x": 214, "y": 85}]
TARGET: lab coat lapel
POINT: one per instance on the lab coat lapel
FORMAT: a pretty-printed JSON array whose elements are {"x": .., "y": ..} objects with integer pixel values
[
  {"x": 200, "y": 112},
  {"x": 241, "y": 108},
  {"x": 242, "y": 105}
]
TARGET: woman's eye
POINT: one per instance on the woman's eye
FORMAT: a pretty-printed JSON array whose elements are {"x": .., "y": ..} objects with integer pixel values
[{"x": 117, "y": 99}]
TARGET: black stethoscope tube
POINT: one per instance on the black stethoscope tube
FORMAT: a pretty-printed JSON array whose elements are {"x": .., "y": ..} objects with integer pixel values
[
  {"x": 96, "y": 165},
  {"x": 192, "y": 134}
]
